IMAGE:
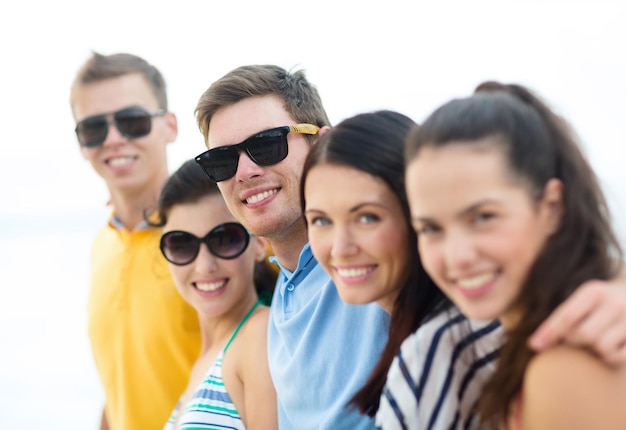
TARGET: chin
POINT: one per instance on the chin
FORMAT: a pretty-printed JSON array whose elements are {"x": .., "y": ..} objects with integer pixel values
[{"x": 352, "y": 300}]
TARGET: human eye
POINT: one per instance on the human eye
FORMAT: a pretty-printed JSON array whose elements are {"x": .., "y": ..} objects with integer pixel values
[
  {"x": 425, "y": 228},
  {"x": 318, "y": 221},
  {"x": 483, "y": 217},
  {"x": 368, "y": 218}
]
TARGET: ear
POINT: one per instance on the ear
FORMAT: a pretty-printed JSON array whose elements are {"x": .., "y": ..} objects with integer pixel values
[
  {"x": 552, "y": 204},
  {"x": 261, "y": 247},
  {"x": 171, "y": 123},
  {"x": 322, "y": 131}
]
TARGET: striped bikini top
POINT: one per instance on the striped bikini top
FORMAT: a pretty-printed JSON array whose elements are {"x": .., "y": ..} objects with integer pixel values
[{"x": 210, "y": 406}]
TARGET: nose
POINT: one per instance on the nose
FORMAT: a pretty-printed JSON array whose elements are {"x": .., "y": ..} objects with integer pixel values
[
  {"x": 205, "y": 261},
  {"x": 343, "y": 243},
  {"x": 114, "y": 137},
  {"x": 459, "y": 249},
  {"x": 246, "y": 168}
]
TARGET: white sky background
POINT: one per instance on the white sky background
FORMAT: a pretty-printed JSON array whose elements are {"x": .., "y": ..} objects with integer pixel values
[{"x": 408, "y": 56}]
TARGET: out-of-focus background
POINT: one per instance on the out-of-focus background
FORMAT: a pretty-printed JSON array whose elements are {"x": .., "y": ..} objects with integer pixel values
[{"x": 363, "y": 55}]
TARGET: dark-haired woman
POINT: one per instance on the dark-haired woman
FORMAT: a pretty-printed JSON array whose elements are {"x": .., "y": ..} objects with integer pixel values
[{"x": 221, "y": 271}]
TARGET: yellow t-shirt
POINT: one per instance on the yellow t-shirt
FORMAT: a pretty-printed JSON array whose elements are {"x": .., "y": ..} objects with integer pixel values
[{"x": 144, "y": 336}]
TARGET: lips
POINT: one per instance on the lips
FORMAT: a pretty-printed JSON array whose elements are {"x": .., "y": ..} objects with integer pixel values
[
  {"x": 256, "y": 198},
  {"x": 475, "y": 282},
  {"x": 475, "y": 287},
  {"x": 120, "y": 161},
  {"x": 208, "y": 287},
  {"x": 353, "y": 272}
]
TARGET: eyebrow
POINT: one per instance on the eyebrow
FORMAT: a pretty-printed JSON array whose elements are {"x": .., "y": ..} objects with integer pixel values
[
  {"x": 352, "y": 209},
  {"x": 460, "y": 214}
]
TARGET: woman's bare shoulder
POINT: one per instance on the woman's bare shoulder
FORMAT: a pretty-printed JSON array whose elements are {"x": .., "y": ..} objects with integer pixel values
[{"x": 569, "y": 387}]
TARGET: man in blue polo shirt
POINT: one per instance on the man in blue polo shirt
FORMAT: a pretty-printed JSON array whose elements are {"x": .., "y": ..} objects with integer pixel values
[
  {"x": 258, "y": 122},
  {"x": 321, "y": 350}
]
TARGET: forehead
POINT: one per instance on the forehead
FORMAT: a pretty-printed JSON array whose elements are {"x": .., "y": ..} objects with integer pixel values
[
  {"x": 350, "y": 187},
  {"x": 113, "y": 94},
  {"x": 198, "y": 217},
  {"x": 235, "y": 123},
  {"x": 457, "y": 175}
]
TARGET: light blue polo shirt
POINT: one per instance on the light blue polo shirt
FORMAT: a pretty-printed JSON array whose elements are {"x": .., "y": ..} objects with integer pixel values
[{"x": 321, "y": 350}]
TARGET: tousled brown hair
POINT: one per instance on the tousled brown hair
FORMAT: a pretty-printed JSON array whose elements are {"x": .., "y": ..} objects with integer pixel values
[
  {"x": 100, "y": 67},
  {"x": 301, "y": 99}
]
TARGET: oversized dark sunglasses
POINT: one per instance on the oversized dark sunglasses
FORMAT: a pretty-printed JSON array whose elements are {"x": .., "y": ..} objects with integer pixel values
[
  {"x": 132, "y": 122},
  {"x": 265, "y": 148},
  {"x": 227, "y": 241}
]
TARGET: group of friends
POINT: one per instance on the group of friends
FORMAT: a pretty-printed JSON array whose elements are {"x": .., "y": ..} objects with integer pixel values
[{"x": 458, "y": 274}]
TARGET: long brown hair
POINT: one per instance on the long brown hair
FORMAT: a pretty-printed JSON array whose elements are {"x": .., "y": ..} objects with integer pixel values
[
  {"x": 538, "y": 145},
  {"x": 374, "y": 143}
]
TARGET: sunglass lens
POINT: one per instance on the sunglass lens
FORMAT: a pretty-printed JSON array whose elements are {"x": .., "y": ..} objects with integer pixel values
[
  {"x": 179, "y": 247},
  {"x": 228, "y": 240},
  {"x": 92, "y": 132},
  {"x": 220, "y": 163},
  {"x": 268, "y": 150},
  {"x": 133, "y": 123}
]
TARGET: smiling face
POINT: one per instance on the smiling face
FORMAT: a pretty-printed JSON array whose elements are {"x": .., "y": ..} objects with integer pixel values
[
  {"x": 213, "y": 286},
  {"x": 479, "y": 231},
  {"x": 265, "y": 199},
  {"x": 358, "y": 233},
  {"x": 126, "y": 164}
]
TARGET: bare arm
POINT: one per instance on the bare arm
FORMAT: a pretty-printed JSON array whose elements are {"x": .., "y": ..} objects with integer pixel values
[
  {"x": 259, "y": 397},
  {"x": 593, "y": 317},
  {"x": 569, "y": 388}
]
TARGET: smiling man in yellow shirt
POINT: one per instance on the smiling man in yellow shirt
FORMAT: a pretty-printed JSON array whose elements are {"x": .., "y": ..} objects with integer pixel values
[{"x": 144, "y": 336}]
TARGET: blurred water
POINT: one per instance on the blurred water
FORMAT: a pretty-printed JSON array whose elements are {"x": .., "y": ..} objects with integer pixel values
[{"x": 47, "y": 377}]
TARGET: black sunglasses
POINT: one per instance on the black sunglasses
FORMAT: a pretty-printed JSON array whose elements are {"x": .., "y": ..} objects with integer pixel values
[
  {"x": 265, "y": 149},
  {"x": 227, "y": 241},
  {"x": 132, "y": 122}
]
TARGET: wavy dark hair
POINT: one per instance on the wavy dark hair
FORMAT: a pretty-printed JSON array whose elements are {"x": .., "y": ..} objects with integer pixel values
[
  {"x": 189, "y": 184},
  {"x": 538, "y": 145},
  {"x": 374, "y": 143}
]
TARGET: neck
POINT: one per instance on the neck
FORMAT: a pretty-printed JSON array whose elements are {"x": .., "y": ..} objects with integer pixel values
[
  {"x": 287, "y": 248},
  {"x": 132, "y": 206},
  {"x": 217, "y": 329}
]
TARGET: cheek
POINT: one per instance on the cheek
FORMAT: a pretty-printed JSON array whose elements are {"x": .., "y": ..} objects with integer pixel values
[
  {"x": 431, "y": 259},
  {"x": 321, "y": 245},
  {"x": 227, "y": 193},
  {"x": 522, "y": 245},
  {"x": 241, "y": 268},
  {"x": 180, "y": 274}
]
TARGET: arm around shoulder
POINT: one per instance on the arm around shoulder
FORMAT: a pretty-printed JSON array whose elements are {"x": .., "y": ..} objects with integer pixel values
[{"x": 568, "y": 387}]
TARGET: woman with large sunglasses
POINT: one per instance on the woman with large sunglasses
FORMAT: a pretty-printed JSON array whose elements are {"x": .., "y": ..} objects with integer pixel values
[{"x": 222, "y": 272}]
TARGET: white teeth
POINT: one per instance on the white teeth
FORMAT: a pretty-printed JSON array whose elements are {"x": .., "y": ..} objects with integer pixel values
[
  {"x": 353, "y": 273},
  {"x": 120, "y": 161},
  {"x": 476, "y": 281},
  {"x": 210, "y": 286},
  {"x": 261, "y": 196}
]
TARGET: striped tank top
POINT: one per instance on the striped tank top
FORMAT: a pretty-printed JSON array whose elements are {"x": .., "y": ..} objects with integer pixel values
[{"x": 210, "y": 407}]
